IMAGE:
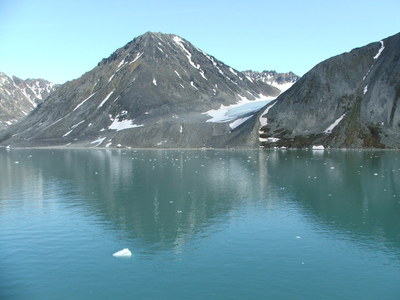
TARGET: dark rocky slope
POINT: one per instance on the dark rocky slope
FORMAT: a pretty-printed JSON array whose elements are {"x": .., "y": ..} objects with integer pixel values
[
  {"x": 350, "y": 100},
  {"x": 153, "y": 92}
]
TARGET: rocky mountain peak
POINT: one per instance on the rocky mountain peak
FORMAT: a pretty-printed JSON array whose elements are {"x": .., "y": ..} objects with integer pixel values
[
  {"x": 19, "y": 97},
  {"x": 154, "y": 84},
  {"x": 282, "y": 81}
]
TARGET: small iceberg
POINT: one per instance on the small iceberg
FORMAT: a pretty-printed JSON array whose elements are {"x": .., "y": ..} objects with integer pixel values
[
  {"x": 318, "y": 147},
  {"x": 123, "y": 253}
]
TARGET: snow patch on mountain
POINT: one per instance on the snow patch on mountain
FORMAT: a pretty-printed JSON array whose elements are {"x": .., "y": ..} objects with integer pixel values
[
  {"x": 380, "y": 50},
  {"x": 106, "y": 98},
  {"x": 238, "y": 110},
  {"x": 334, "y": 124}
]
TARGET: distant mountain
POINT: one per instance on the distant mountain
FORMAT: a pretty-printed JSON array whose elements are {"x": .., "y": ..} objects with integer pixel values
[
  {"x": 282, "y": 81},
  {"x": 157, "y": 91},
  {"x": 19, "y": 97},
  {"x": 351, "y": 100}
]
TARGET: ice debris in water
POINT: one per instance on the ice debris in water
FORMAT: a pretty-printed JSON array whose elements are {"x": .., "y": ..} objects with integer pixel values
[
  {"x": 123, "y": 253},
  {"x": 318, "y": 147}
]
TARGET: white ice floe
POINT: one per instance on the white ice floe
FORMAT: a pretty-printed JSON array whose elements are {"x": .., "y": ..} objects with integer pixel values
[
  {"x": 80, "y": 104},
  {"x": 380, "y": 50},
  {"x": 365, "y": 89},
  {"x": 318, "y": 147},
  {"x": 238, "y": 122},
  {"x": 106, "y": 98},
  {"x": 334, "y": 124},
  {"x": 121, "y": 125},
  {"x": 123, "y": 253}
]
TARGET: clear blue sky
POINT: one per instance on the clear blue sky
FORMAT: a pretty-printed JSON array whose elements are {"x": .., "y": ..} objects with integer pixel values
[{"x": 61, "y": 40}]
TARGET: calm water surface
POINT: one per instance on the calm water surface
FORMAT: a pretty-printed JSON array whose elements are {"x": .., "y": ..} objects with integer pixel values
[{"x": 201, "y": 224}]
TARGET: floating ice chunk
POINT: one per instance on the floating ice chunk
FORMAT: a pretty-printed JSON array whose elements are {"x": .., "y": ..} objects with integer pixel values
[
  {"x": 318, "y": 147},
  {"x": 123, "y": 253}
]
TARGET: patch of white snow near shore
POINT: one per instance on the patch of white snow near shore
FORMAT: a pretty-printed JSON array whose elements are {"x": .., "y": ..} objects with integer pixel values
[{"x": 239, "y": 110}]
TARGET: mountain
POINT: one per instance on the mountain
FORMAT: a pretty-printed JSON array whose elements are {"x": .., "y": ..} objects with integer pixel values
[
  {"x": 350, "y": 100},
  {"x": 157, "y": 91},
  {"x": 282, "y": 81},
  {"x": 19, "y": 97}
]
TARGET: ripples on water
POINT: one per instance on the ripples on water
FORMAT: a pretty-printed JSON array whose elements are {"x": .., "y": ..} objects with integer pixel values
[{"x": 201, "y": 224}]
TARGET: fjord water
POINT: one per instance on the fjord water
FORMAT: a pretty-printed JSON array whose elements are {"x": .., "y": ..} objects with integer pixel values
[{"x": 201, "y": 224}]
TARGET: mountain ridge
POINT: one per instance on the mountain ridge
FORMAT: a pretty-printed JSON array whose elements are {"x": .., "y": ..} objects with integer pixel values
[
  {"x": 19, "y": 97},
  {"x": 347, "y": 101},
  {"x": 153, "y": 92}
]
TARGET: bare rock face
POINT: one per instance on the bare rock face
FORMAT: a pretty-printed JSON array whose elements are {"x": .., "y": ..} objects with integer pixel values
[
  {"x": 350, "y": 100},
  {"x": 19, "y": 97},
  {"x": 153, "y": 92}
]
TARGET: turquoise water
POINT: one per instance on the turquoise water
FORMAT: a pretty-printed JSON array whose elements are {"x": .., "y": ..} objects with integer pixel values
[{"x": 201, "y": 224}]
